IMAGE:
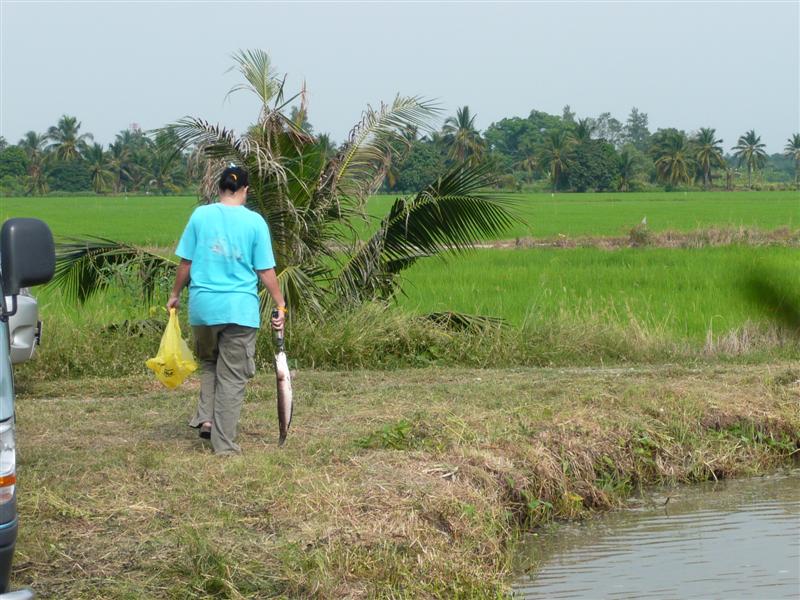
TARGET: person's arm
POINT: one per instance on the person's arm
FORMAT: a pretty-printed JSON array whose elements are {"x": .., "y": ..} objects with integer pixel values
[
  {"x": 270, "y": 281},
  {"x": 181, "y": 279}
]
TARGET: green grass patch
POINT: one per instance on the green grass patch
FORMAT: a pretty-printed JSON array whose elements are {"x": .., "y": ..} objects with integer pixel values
[
  {"x": 143, "y": 220},
  {"x": 675, "y": 293},
  {"x": 615, "y": 214},
  {"x": 159, "y": 220}
]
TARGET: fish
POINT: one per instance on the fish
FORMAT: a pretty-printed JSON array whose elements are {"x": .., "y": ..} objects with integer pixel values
[{"x": 283, "y": 379}]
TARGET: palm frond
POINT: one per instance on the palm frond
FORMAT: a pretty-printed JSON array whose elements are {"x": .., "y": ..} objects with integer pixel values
[
  {"x": 262, "y": 79},
  {"x": 362, "y": 162},
  {"x": 219, "y": 145},
  {"x": 84, "y": 267},
  {"x": 301, "y": 290},
  {"x": 215, "y": 141},
  {"x": 365, "y": 275},
  {"x": 450, "y": 215}
]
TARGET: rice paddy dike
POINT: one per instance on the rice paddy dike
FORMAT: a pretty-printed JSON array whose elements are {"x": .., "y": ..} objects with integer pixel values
[{"x": 419, "y": 453}]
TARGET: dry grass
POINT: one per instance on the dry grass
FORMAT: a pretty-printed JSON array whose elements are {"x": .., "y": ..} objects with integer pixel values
[
  {"x": 642, "y": 236},
  {"x": 392, "y": 485}
]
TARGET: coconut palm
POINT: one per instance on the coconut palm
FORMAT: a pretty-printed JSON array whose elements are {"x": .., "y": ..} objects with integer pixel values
[
  {"x": 67, "y": 142},
  {"x": 309, "y": 200},
  {"x": 730, "y": 175},
  {"x": 463, "y": 141},
  {"x": 556, "y": 153},
  {"x": 35, "y": 148},
  {"x": 99, "y": 166},
  {"x": 627, "y": 168},
  {"x": 792, "y": 150},
  {"x": 708, "y": 153},
  {"x": 131, "y": 155},
  {"x": 164, "y": 163},
  {"x": 118, "y": 164},
  {"x": 584, "y": 128},
  {"x": 673, "y": 156},
  {"x": 529, "y": 163},
  {"x": 750, "y": 151},
  {"x": 33, "y": 144}
]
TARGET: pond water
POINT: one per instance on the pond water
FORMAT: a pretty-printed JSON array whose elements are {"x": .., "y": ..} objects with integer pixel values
[{"x": 729, "y": 539}]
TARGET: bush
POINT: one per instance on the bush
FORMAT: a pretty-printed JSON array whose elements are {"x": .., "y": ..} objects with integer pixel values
[
  {"x": 70, "y": 176},
  {"x": 381, "y": 337},
  {"x": 11, "y": 185}
]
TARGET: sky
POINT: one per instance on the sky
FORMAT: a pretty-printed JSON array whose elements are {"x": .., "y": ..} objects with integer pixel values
[{"x": 734, "y": 66}]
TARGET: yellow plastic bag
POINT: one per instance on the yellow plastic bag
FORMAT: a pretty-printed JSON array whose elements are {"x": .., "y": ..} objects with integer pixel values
[{"x": 174, "y": 361}]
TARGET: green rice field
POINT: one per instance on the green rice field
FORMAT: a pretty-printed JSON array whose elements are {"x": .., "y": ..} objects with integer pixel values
[
  {"x": 673, "y": 293},
  {"x": 614, "y": 214},
  {"x": 682, "y": 293},
  {"x": 158, "y": 220},
  {"x": 146, "y": 220}
]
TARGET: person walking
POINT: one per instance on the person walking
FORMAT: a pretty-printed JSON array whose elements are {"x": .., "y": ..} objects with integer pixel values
[{"x": 225, "y": 250}]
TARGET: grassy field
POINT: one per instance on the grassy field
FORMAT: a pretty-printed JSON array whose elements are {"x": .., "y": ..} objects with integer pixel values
[
  {"x": 614, "y": 214},
  {"x": 681, "y": 293},
  {"x": 616, "y": 300},
  {"x": 149, "y": 221},
  {"x": 402, "y": 484},
  {"x": 396, "y": 482},
  {"x": 158, "y": 221}
]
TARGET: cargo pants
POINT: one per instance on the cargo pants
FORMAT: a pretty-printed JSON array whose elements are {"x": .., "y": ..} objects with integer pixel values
[{"x": 226, "y": 354}]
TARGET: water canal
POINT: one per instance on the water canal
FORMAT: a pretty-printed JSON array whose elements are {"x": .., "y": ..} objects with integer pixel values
[{"x": 729, "y": 539}]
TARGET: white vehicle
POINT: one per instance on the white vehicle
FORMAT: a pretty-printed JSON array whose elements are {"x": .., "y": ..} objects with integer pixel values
[
  {"x": 24, "y": 328},
  {"x": 27, "y": 257}
]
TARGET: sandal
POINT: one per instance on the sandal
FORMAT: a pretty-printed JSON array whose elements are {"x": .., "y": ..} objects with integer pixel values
[{"x": 205, "y": 430}]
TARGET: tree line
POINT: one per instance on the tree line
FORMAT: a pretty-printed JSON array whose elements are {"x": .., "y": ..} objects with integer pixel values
[
  {"x": 542, "y": 151},
  {"x": 65, "y": 160},
  {"x": 563, "y": 152}
]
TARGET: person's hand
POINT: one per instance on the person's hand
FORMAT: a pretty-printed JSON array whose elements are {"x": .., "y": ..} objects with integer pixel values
[
  {"x": 173, "y": 302},
  {"x": 278, "y": 319}
]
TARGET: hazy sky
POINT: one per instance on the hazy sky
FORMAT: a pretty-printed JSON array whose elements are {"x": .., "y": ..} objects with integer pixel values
[{"x": 730, "y": 65}]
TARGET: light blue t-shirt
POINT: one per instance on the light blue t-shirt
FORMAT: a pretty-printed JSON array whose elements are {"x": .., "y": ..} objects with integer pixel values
[{"x": 227, "y": 245}]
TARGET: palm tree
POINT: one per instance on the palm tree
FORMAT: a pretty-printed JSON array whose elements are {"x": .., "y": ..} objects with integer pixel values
[
  {"x": 131, "y": 158},
  {"x": 556, "y": 153},
  {"x": 792, "y": 150},
  {"x": 462, "y": 139},
  {"x": 529, "y": 163},
  {"x": 627, "y": 168},
  {"x": 750, "y": 151},
  {"x": 584, "y": 128},
  {"x": 730, "y": 175},
  {"x": 35, "y": 148},
  {"x": 708, "y": 153},
  {"x": 118, "y": 164},
  {"x": 309, "y": 200},
  {"x": 164, "y": 162},
  {"x": 101, "y": 174},
  {"x": 673, "y": 157},
  {"x": 67, "y": 143}
]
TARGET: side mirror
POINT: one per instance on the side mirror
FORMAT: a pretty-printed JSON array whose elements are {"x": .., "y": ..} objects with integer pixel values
[{"x": 27, "y": 256}]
